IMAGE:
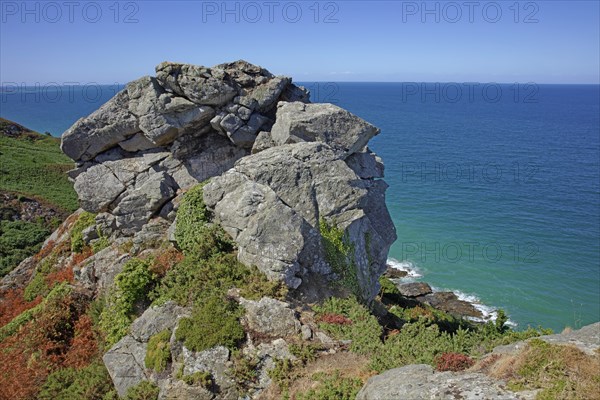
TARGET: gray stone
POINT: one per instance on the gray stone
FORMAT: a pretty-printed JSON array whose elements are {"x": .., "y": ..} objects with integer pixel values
[
  {"x": 266, "y": 95},
  {"x": 262, "y": 142},
  {"x": 244, "y": 113},
  {"x": 173, "y": 389},
  {"x": 155, "y": 320},
  {"x": 327, "y": 123},
  {"x": 214, "y": 361},
  {"x": 306, "y": 332},
  {"x": 125, "y": 364},
  {"x": 271, "y": 203},
  {"x": 163, "y": 116},
  {"x": 230, "y": 123},
  {"x": 151, "y": 235},
  {"x": 97, "y": 188},
  {"x": 106, "y": 223},
  {"x": 105, "y": 128},
  {"x": 366, "y": 164},
  {"x": 196, "y": 83},
  {"x": 99, "y": 271},
  {"x": 90, "y": 233},
  {"x": 420, "y": 382},
  {"x": 270, "y": 317},
  {"x": 139, "y": 205},
  {"x": 175, "y": 123},
  {"x": 414, "y": 289},
  {"x": 136, "y": 143},
  {"x": 295, "y": 93}
]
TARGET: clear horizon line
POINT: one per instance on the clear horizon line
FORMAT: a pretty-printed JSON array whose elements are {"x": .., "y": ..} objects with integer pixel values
[{"x": 68, "y": 84}]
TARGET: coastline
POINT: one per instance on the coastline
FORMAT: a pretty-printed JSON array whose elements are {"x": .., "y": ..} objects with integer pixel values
[{"x": 410, "y": 273}]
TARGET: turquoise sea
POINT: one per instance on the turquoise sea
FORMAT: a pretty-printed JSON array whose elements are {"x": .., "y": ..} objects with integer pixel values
[{"x": 494, "y": 189}]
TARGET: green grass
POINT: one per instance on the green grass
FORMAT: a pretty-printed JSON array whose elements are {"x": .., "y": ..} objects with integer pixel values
[
  {"x": 158, "y": 354},
  {"x": 31, "y": 165},
  {"x": 34, "y": 165},
  {"x": 19, "y": 240}
]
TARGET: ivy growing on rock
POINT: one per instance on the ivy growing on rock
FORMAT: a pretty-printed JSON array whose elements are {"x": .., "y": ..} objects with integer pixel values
[{"x": 339, "y": 253}]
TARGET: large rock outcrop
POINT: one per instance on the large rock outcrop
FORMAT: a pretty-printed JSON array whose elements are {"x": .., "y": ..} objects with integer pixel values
[
  {"x": 310, "y": 168},
  {"x": 165, "y": 133}
]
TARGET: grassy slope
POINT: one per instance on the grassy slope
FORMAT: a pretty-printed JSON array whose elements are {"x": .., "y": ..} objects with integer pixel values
[{"x": 33, "y": 164}]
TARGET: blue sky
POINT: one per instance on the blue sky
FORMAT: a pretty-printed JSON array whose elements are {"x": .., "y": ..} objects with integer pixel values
[{"x": 436, "y": 41}]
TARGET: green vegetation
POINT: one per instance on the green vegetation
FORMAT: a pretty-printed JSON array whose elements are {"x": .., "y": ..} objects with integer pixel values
[
  {"x": 283, "y": 374},
  {"x": 332, "y": 387},
  {"x": 13, "y": 326},
  {"x": 143, "y": 391},
  {"x": 192, "y": 218},
  {"x": 210, "y": 268},
  {"x": 363, "y": 329},
  {"x": 19, "y": 240},
  {"x": 201, "y": 378},
  {"x": 36, "y": 287},
  {"x": 34, "y": 165},
  {"x": 305, "y": 352},
  {"x": 213, "y": 322},
  {"x": 158, "y": 353},
  {"x": 91, "y": 382},
  {"x": 84, "y": 221},
  {"x": 100, "y": 244},
  {"x": 424, "y": 335},
  {"x": 243, "y": 370},
  {"x": 132, "y": 286},
  {"x": 339, "y": 253}
]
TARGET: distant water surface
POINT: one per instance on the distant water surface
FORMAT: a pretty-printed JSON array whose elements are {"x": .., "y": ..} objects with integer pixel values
[{"x": 494, "y": 191}]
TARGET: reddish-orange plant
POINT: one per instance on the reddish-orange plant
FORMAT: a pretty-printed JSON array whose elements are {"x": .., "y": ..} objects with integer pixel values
[
  {"x": 453, "y": 362},
  {"x": 12, "y": 304},
  {"x": 336, "y": 319},
  {"x": 84, "y": 347}
]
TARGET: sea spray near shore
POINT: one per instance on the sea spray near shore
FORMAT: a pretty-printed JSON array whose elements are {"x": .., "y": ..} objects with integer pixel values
[{"x": 414, "y": 274}]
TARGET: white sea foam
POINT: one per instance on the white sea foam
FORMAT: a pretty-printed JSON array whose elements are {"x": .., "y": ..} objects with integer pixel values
[
  {"x": 407, "y": 266},
  {"x": 488, "y": 313},
  {"x": 413, "y": 272}
]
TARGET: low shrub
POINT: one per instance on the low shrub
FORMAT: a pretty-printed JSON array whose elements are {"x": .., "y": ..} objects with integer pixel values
[
  {"x": 90, "y": 383},
  {"x": 19, "y": 240},
  {"x": 332, "y": 387},
  {"x": 192, "y": 218},
  {"x": 36, "y": 287},
  {"x": 244, "y": 370},
  {"x": 201, "y": 378},
  {"x": 364, "y": 331},
  {"x": 283, "y": 374},
  {"x": 102, "y": 243},
  {"x": 214, "y": 322},
  {"x": 305, "y": 352},
  {"x": 158, "y": 354},
  {"x": 143, "y": 391}
]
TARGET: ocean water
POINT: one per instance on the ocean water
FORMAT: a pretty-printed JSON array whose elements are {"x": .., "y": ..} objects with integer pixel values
[{"x": 494, "y": 189}]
